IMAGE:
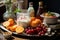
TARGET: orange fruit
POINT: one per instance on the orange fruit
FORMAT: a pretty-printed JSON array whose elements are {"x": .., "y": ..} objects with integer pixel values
[
  {"x": 13, "y": 28},
  {"x": 19, "y": 29},
  {"x": 38, "y": 21},
  {"x": 11, "y": 21},
  {"x": 33, "y": 18},
  {"x": 34, "y": 24},
  {"x": 6, "y": 23},
  {"x": 9, "y": 27}
]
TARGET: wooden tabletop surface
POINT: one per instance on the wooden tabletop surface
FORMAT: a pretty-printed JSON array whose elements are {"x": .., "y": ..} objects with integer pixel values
[{"x": 16, "y": 38}]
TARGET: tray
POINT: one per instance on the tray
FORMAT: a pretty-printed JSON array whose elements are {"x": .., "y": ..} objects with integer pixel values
[{"x": 24, "y": 34}]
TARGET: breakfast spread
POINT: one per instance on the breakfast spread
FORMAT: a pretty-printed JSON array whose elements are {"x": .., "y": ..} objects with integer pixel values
[
  {"x": 35, "y": 27},
  {"x": 28, "y": 23}
]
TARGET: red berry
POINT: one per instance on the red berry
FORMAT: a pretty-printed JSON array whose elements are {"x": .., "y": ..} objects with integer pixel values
[
  {"x": 26, "y": 29},
  {"x": 41, "y": 33},
  {"x": 39, "y": 25},
  {"x": 45, "y": 30},
  {"x": 42, "y": 25},
  {"x": 30, "y": 31},
  {"x": 38, "y": 29},
  {"x": 35, "y": 31},
  {"x": 29, "y": 27}
]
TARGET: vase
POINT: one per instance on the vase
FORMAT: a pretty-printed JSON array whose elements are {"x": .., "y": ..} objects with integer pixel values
[{"x": 9, "y": 13}]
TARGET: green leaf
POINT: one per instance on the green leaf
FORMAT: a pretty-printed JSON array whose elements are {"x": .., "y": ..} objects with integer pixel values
[{"x": 17, "y": 10}]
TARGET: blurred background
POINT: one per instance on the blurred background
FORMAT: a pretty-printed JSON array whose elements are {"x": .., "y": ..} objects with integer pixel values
[{"x": 51, "y": 5}]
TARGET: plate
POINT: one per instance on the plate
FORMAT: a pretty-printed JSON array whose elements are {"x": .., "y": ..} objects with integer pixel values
[
  {"x": 20, "y": 35},
  {"x": 24, "y": 34}
]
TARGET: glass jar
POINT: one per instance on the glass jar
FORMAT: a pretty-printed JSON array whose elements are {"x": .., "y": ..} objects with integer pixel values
[
  {"x": 8, "y": 14},
  {"x": 31, "y": 10}
]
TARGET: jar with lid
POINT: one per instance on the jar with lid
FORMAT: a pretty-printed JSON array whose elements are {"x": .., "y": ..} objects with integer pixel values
[{"x": 22, "y": 16}]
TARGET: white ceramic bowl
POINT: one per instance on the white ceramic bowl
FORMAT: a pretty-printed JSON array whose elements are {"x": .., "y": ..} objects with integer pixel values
[{"x": 49, "y": 20}]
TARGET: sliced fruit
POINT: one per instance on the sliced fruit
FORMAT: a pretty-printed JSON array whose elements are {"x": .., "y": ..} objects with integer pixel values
[
  {"x": 9, "y": 27},
  {"x": 11, "y": 21},
  {"x": 19, "y": 29},
  {"x": 12, "y": 28},
  {"x": 6, "y": 23}
]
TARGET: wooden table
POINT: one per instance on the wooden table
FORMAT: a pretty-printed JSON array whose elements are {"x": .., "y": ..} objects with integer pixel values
[{"x": 16, "y": 38}]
